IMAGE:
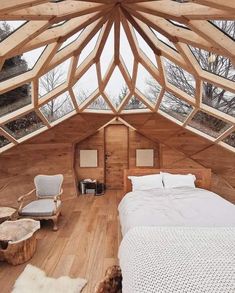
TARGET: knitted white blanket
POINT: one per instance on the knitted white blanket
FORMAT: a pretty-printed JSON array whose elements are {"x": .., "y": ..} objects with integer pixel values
[{"x": 179, "y": 260}]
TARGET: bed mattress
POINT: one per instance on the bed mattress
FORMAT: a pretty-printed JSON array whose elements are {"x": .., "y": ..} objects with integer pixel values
[
  {"x": 175, "y": 207},
  {"x": 178, "y": 259}
]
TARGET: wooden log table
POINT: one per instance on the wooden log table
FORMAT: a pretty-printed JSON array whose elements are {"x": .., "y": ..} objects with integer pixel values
[
  {"x": 18, "y": 240},
  {"x": 6, "y": 213}
]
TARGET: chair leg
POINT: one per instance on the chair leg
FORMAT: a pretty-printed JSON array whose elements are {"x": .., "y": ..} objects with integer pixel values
[{"x": 55, "y": 220}]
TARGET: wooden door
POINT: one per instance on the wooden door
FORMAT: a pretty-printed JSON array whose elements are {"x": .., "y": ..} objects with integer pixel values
[{"x": 116, "y": 155}]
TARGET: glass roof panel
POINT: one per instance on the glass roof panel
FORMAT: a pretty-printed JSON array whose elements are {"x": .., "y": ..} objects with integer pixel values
[
  {"x": 126, "y": 52},
  {"x": 164, "y": 39},
  {"x": 86, "y": 85},
  {"x": 116, "y": 87},
  {"x": 134, "y": 103},
  {"x": 147, "y": 84},
  {"x": 230, "y": 139},
  {"x": 15, "y": 99},
  {"x": 226, "y": 26},
  {"x": 218, "y": 98},
  {"x": 209, "y": 124},
  {"x": 20, "y": 64},
  {"x": 70, "y": 40},
  {"x": 8, "y": 27},
  {"x": 108, "y": 52},
  {"x": 148, "y": 52},
  {"x": 175, "y": 107},
  {"x": 86, "y": 51},
  {"x": 53, "y": 78},
  {"x": 24, "y": 125},
  {"x": 3, "y": 141},
  {"x": 58, "y": 107},
  {"x": 214, "y": 63},
  {"x": 179, "y": 77},
  {"x": 99, "y": 104}
]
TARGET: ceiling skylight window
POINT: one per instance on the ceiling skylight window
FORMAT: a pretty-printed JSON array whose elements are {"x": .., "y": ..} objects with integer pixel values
[
  {"x": 147, "y": 84},
  {"x": 209, "y": 124},
  {"x": 15, "y": 99},
  {"x": 53, "y": 78},
  {"x": 175, "y": 107},
  {"x": 58, "y": 107},
  {"x": 24, "y": 125},
  {"x": 86, "y": 85}
]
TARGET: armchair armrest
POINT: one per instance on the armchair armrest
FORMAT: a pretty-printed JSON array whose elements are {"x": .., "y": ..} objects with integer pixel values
[{"x": 22, "y": 198}]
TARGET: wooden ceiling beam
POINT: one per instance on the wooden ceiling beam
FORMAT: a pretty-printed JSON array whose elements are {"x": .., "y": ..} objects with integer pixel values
[
  {"x": 59, "y": 11},
  {"x": 226, "y": 5},
  {"x": 21, "y": 36},
  {"x": 61, "y": 33},
  {"x": 8, "y": 6},
  {"x": 172, "y": 10}
]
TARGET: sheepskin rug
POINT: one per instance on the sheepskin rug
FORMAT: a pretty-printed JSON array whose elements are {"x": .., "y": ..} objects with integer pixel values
[{"x": 35, "y": 280}]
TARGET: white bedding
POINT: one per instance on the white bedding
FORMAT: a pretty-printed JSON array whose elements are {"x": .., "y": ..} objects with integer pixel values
[
  {"x": 175, "y": 207},
  {"x": 178, "y": 260}
]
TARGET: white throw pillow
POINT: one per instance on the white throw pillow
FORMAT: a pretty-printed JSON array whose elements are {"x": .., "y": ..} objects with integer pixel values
[
  {"x": 146, "y": 182},
  {"x": 178, "y": 180}
]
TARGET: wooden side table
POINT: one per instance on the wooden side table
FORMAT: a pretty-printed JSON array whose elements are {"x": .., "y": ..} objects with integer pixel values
[{"x": 6, "y": 213}]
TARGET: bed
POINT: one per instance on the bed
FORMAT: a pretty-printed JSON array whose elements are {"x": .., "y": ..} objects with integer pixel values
[{"x": 172, "y": 241}]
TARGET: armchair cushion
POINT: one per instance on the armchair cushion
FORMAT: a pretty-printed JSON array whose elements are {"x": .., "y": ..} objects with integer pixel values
[
  {"x": 48, "y": 185},
  {"x": 40, "y": 208}
]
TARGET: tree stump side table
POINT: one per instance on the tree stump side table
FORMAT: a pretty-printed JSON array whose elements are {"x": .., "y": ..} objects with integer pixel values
[
  {"x": 6, "y": 213},
  {"x": 18, "y": 241}
]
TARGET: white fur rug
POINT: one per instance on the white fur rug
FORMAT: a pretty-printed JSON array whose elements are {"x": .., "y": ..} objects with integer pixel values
[{"x": 35, "y": 280}]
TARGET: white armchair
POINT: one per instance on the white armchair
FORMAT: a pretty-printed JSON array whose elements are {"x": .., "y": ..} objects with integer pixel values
[{"x": 47, "y": 206}]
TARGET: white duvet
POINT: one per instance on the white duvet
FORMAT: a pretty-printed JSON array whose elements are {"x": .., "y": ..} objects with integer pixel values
[
  {"x": 175, "y": 207},
  {"x": 178, "y": 260}
]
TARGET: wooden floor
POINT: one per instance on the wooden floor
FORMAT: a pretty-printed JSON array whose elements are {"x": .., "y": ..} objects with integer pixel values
[{"x": 84, "y": 246}]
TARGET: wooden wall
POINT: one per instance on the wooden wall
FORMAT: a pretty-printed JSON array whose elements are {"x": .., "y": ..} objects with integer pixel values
[
  {"x": 48, "y": 153},
  {"x": 54, "y": 152},
  {"x": 97, "y": 141},
  {"x": 94, "y": 142},
  {"x": 180, "y": 148}
]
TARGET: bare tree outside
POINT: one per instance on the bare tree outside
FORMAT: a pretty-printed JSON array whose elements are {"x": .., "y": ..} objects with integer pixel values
[
  {"x": 59, "y": 106},
  {"x": 212, "y": 95}
]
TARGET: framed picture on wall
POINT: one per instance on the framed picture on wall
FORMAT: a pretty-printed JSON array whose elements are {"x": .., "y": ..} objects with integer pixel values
[
  {"x": 88, "y": 158},
  {"x": 144, "y": 158}
]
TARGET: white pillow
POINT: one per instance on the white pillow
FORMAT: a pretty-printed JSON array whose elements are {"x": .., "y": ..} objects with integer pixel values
[
  {"x": 146, "y": 182},
  {"x": 178, "y": 180}
]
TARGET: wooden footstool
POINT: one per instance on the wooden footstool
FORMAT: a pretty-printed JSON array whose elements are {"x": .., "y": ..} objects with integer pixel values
[{"x": 18, "y": 240}]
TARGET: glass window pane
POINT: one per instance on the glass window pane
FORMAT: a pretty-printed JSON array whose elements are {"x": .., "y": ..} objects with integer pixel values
[
  {"x": 58, "y": 107},
  {"x": 147, "y": 84},
  {"x": 3, "y": 141},
  {"x": 213, "y": 63},
  {"x": 116, "y": 87},
  {"x": 230, "y": 139},
  {"x": 24, "y": 125},
  {"x": 20, "y": 64},
  {"x": 86, "y": 85},
  {"x": 99, "y": 104},
  {"x": 15, "y": 99},
  {"x": 218, "y": 98},
  {"x": 126, "y": 52},
  {"x": 179, "y": 77},
  {"x": 135, "y": 103},
  {"x": 175, "y": 107},
  {"x": 209, "y": 124},
  {"x": 53, "y": 78}
]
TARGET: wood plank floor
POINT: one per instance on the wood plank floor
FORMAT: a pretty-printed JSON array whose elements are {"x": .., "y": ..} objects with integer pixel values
[{"x": 84, "y": 246}]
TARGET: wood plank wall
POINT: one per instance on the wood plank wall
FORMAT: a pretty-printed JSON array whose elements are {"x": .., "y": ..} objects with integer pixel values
[
  {"x": 51, "y": 152},
  {"x": 180, "y": 148},
  {"x": 97, "y": 141}
]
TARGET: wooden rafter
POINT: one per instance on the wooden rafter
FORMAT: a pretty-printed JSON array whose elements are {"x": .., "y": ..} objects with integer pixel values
[{"x": 51, "y": 24}]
